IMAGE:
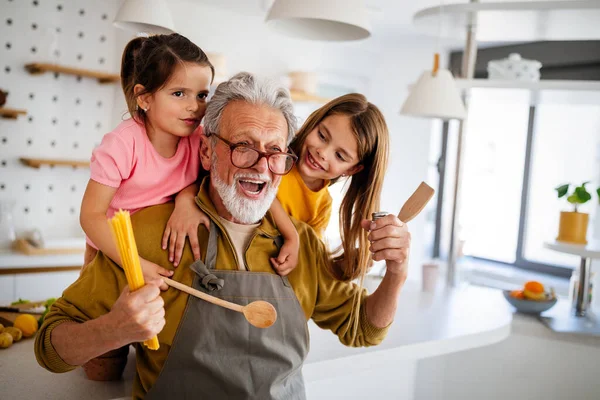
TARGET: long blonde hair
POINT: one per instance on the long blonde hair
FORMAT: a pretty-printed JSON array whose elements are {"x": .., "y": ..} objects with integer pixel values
[{"x": 364, "y": 192}]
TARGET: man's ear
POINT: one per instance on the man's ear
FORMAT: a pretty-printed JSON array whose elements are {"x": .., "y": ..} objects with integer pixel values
[
  {"x": 144, "y": 100},
  {"x": 205, "y": 152}
]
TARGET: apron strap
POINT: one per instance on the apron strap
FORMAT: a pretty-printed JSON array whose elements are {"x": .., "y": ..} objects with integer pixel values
[
  {"x": 208, "y": 280},
  {"x": 211, "y": 249}
]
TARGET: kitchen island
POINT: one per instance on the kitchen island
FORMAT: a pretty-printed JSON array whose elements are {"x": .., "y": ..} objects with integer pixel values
[{"x": 426, "y": 325}]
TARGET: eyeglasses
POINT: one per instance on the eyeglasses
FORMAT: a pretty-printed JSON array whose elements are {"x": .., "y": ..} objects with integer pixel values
[{"x": 244, "y": 156}]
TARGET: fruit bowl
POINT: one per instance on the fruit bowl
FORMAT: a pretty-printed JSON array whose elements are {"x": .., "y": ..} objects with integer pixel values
[{"x": 529, "y": 306}]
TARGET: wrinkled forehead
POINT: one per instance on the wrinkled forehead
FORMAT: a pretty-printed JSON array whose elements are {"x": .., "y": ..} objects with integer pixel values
[{"x": 258, "y": 123}]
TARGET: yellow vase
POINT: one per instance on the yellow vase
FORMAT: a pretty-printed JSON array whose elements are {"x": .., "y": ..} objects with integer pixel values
[{"x": 573, "y": 227}]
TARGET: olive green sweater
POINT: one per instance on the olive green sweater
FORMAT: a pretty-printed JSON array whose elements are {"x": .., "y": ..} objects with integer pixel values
[{"x": 327, "y": 301}]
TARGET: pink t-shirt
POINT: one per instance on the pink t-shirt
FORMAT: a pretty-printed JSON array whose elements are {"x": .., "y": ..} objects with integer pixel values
[{"x": 126, "y": 160}]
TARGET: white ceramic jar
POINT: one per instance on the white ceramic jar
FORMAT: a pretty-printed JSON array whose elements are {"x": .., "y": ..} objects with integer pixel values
[{"x": 514, "y": 68}]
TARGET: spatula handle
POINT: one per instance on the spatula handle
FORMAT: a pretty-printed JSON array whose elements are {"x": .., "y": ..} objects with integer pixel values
[{"x": 416, "y": 202}]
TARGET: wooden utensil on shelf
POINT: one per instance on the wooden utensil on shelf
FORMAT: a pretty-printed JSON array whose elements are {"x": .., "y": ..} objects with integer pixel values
[
  {"x": 25, "y": 247},
  {"x": 416, "y": 202},
  {"x": 259, "y": 313}
]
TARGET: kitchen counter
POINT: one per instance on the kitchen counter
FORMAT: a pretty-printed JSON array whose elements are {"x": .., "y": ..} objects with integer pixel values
[
  {"x": 12, "y": 260},
  {"x": 426, "y": 325}
]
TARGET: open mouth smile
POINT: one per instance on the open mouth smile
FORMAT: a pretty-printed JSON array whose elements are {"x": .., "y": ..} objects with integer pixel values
[
  {"x": 312, "y": 163},
  {"x": 252, "y": 187}
]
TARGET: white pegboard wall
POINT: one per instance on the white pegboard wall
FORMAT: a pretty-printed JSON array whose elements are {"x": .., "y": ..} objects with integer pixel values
[{"x": 66, "y": 115}]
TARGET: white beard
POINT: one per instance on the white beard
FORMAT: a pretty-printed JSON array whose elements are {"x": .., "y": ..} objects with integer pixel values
[{"x": 241, "y": 208}]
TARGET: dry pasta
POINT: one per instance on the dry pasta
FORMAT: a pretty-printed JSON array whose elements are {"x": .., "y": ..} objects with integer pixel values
[{"x": 120, "y": 225}]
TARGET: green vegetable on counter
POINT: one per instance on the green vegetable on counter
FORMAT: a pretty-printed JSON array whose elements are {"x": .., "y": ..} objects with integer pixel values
[{"x": 20, "y": 301}]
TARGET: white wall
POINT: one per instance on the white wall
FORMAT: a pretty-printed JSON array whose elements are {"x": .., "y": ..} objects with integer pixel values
[
  {"x": 66, "y": 116},
  {"x": 381, "y": 71}
]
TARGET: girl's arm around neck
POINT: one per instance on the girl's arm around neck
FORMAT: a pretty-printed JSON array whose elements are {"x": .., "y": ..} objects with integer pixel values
[
  {"x": 96, "y": 199},
  {"x": 288, "y": 255}
]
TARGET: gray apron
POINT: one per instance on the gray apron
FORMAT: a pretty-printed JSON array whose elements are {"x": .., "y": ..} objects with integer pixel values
[{"x": 217, "y": 354}]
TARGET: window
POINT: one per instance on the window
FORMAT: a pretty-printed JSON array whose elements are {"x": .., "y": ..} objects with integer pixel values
[
  {"x": 566, "y": 149},
  {"x": 515, "y": 155}
]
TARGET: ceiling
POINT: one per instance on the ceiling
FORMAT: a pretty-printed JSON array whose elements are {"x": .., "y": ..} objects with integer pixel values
[{"x": 390, "y": 19}]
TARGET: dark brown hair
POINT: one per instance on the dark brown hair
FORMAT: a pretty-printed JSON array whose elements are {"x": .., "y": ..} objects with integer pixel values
[
  {"x": 150, "y": 62},
  {"x": 363, "y": 195}
]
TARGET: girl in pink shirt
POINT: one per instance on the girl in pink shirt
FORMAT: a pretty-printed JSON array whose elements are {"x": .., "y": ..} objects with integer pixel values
[{"x": 152, "y": 158}]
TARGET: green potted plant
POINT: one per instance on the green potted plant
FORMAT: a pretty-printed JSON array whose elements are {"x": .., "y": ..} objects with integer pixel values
[{"x": 573, "y": 224}]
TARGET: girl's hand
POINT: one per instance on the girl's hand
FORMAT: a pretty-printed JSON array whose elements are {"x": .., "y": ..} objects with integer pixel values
[
  {"x": 287, "y": 259},
  {"x": 184, "y": 221},
  {"x": 154, "y": 273}
]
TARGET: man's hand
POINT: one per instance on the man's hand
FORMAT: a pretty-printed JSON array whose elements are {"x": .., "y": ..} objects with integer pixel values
[
  {"x": 138, "y": 316},
  {"x": 390, "y": 241}
]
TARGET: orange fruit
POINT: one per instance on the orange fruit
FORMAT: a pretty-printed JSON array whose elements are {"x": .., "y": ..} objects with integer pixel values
[
  {"x": 27, "y": 323},
  {"x": 517, "y": 294},
  {"x": 534, "y": 291},
  {"x": 534, "y": 286}
]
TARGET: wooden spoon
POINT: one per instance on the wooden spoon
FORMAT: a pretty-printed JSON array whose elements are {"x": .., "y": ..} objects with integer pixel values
[
  {"x": 259, "y": 313},
  {"x": 416, "y": 202}
]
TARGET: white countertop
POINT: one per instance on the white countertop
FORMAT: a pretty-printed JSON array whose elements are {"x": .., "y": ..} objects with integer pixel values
[{"x": 425, "y": 325}]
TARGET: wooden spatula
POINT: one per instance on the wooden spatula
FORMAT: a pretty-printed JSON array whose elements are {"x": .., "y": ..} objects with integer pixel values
[
  {"x": 416, "y": 202},
  {"x": 259, "y": 313}
]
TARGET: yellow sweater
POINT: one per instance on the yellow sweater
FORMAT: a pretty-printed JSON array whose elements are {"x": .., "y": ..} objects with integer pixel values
[
  {"x": 313, "y": 208},
  {"x": 327, "y": 301}
]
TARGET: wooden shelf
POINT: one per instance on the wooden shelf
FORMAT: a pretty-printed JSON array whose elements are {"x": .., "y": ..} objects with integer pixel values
[
  {"x": 307, "y": 98},
  {"x": 24, "y": 247},
  {"x": 103, "y": 77},
  {"x": 543, "y": 92},
  {"x": 11, "y": 113},
  {"x": 38, "y": 162},
  {"x": 529, "y": 20}
]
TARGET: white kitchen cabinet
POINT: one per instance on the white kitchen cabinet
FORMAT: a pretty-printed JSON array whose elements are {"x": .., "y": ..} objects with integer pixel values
[{"x": 36, "y": 286}]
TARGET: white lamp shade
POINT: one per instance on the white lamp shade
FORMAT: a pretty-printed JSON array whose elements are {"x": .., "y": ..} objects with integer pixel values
[
  {"x": 435, "y": 97},
  {"x": 149, "y": 16},
  {"x": 330, "y": 20}
]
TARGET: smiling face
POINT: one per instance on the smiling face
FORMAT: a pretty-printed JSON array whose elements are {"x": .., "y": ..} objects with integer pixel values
[
  {"x": 179, "y": 105},
  {"x": 243, "y": 195},
  {"x": 330, "y": 151}
]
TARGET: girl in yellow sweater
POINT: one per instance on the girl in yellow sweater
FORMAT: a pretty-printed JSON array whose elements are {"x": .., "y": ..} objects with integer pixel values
[{"x": 345, "y": 140}]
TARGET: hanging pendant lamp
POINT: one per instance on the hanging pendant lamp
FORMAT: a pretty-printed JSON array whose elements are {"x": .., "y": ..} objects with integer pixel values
[
  {"x": 435, "y": 95},
  {"x": 148, "y": 16},
  {"x": 329, "y": 20}
]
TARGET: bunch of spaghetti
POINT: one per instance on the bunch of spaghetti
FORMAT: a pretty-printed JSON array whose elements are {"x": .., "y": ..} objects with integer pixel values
[{"x": 120, "y": 225}]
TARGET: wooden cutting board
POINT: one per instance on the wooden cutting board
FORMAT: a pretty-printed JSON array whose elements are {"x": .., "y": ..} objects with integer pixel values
[{"x": 24, "y": 247}]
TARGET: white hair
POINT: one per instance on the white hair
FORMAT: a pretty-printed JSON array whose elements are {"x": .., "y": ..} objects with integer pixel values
[{"x": 247, "y": 87}]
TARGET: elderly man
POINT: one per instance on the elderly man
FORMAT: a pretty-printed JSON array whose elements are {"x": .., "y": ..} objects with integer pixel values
[{"x": 207, "y": 351}]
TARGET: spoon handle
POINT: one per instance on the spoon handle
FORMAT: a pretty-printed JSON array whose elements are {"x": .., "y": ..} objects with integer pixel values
[{"x": 203, "y": 296}]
